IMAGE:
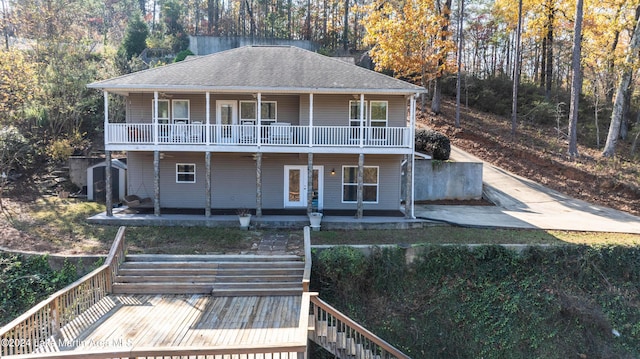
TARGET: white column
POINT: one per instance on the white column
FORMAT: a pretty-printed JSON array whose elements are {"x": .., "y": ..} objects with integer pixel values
[
  {"x": 208, "y": 118},
  {"x": 106, "y": 117},
  {"x": 310, "y": 120},
  {"x": 362, "y": 118},
  {"x": 155, "y": 117},
  {"x": 259, "y": 118}
]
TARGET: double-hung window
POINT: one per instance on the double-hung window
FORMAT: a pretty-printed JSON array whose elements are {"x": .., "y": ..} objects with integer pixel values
[
  {"x": 180, "y": 111},
  {"x": 163, "y": 111},
  {"x": 354, "y": 119},
  {"x": 378, "y": 115},
  {"x": 185, "y": 173},
  {"x": 350, "y": 184},
  {"x": 248, "y": 112}
]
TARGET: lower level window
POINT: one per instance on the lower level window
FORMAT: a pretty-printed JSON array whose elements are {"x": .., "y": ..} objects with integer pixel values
[
  {"x": 185, "y": 173},
  {"x": 350, "y": 184}
]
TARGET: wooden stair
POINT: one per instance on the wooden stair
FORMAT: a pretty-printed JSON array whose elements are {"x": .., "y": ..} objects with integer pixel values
[
  {"x": 344, "y": 338},
  {"x": 218, "y": 275}
]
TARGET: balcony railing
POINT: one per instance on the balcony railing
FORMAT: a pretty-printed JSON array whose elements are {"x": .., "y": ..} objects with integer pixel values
[{"x": 252, "y": 135}]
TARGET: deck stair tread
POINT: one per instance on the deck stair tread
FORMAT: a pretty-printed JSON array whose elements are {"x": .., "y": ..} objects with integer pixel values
[{"x": 218, "y": 275}]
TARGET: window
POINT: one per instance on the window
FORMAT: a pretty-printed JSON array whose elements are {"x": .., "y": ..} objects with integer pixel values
[
  {"x": 354, "y": 119},
  {"x": 163, "y": 110},
  {"x": 185, "y": 173},
  {"x": 268, "y": 111},
  {"x": 248, "y": 111},
  {"x": 350, "y": 184},
  {"x": 180, "y": 111},
  {"x": 378, "y": 115}
]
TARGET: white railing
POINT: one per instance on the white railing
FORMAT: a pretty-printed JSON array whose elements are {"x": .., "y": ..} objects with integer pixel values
[{"x": 274, "y": 135}]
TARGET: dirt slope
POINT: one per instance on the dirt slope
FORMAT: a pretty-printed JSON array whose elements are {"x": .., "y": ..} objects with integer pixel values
[{"x": 538, "y": 154}]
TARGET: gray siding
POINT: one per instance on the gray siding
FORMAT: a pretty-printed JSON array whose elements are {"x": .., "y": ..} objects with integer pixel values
[
  {"x": 234, "y": 179},
  {"x": 333, "y": 110},
  {"x": 329, "y": 110},
  {"x": 140, "y": 106}
]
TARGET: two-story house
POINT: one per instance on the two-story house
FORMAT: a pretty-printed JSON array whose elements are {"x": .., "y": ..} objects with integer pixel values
[{"x": 264, "y": 127}]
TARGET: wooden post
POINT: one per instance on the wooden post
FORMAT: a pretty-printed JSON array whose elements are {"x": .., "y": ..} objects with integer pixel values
[
  {"x": 360, "y": 193},
  {"x": 362, "y": 120},
  {"x": 408, "y": 196},
  {"x": 108, "y": 185},
  {"x": 309, "y": 183},
  {"x": 207, "y": 163},
  {"x": 259, "y": 184},
  {"x": 155, "y": 118},
  {"x": 156, "y": 183}
]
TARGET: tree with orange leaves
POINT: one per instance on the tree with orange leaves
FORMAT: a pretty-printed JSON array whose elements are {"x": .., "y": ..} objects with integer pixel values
[{"x": 410, "y": 38}]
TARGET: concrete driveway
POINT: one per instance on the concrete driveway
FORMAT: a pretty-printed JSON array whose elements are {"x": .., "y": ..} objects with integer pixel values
[{"x": 521, "y": 203}]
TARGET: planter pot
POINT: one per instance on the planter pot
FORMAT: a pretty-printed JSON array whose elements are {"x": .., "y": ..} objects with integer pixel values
[
  {"x": 245, "y": 220},
  {"x": 314, "y": 219}
]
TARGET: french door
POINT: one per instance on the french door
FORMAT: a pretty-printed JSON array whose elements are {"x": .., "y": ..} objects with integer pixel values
[
  {"x": 296, "y": 184},
  {"x": 226, "y": 117}
]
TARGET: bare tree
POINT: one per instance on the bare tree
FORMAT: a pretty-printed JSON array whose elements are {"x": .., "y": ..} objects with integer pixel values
[
  {"x": 516, "y": 74},
  {"x": 576, "y": 81},
  {"x": 459, "y": 59},
  {"x": 624, "y": 86}
]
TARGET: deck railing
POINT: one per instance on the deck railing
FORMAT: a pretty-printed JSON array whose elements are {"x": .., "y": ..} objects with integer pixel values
[
  {"x": 306, "y": 277},
  {"x": 345, "y": 338},
  {"x": 247, "y": 135},
  {"x": 45, "y": 321}
]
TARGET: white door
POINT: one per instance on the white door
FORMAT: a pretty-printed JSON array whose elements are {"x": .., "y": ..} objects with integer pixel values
[
  {"x": 226, "y": 118},
  {"x": 295, "y": 186}
]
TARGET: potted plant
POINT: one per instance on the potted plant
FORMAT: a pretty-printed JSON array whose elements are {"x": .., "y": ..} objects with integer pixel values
[
  {"x": 314, "y": 219},
  {"x": 244, "y": 216}
]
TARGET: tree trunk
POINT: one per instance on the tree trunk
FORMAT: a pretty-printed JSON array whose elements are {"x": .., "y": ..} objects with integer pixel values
[
  {"x": 623, "y": 87},
  {"x": 576, "y": 81},
  {"x": 460, "y": 45},
  {"x": 437, "y": 90},
  {"x": 345, "y": 34},
  {"x": 549, "y": 60},
  {"x": 516, "y": 74}
]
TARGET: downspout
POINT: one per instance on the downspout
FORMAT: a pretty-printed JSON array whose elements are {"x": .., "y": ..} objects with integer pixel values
[{"x": 413, "y": 152}]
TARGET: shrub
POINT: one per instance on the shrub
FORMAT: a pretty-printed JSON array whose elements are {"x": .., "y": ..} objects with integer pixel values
[{"x": 433, "y": 143}]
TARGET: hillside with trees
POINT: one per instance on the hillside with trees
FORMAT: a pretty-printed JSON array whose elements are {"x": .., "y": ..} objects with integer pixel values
[{"x": 555, "y": 67}]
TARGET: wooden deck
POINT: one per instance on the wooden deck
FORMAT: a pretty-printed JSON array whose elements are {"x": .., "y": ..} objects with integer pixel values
[{"x": 127, "y": 322}]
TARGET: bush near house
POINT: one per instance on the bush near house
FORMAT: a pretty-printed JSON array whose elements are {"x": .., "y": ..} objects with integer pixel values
[{"x": 433, "y": 143}]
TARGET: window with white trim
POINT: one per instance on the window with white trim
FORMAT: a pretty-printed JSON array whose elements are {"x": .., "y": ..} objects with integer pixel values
[
  {"x": 268, "y": 112},
  {"x": 180, "y": 111},
  {"x": 378, "y": 113},
  {"x": 350, "y": 184},
  {"x": 163, "y": 110},
  {"x": 354, "y": 118},
  {"x": 185, "y": 173}
]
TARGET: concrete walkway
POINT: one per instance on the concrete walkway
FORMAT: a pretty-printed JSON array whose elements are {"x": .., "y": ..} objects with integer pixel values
[{"x": 521, "y": 203}]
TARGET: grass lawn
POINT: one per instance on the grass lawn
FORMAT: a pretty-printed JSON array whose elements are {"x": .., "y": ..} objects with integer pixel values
[{"x": 62, "y": 226}]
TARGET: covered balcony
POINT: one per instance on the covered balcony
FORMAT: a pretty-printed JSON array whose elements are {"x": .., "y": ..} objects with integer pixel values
[{"x": 280, "y": 137}]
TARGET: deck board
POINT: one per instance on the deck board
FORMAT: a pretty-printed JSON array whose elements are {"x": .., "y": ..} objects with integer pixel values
[{"x": 186, "y": 321}]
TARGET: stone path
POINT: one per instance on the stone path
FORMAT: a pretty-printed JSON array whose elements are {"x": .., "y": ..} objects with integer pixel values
[{"x": 273, "y": 243}]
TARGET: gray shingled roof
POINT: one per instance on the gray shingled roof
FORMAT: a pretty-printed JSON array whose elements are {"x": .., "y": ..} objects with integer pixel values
[{"x": 260, "y": 68}]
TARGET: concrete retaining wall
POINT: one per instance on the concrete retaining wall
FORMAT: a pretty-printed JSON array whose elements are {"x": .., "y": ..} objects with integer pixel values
[{"x": 437, "y": 180}]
